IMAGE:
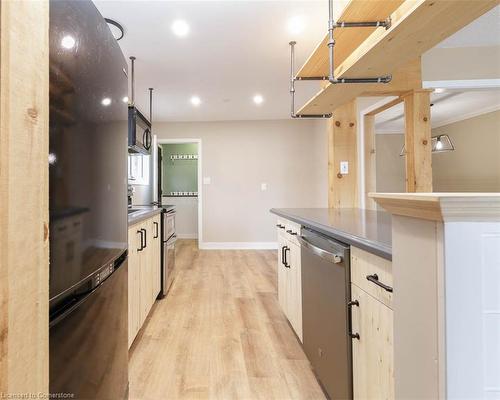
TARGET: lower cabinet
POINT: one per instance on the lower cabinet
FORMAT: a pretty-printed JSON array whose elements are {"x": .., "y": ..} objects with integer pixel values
[
  {"x": 372, "y": 350},
  {"x": 144, "y": 272},
  {"x": 289, "y": 278}
]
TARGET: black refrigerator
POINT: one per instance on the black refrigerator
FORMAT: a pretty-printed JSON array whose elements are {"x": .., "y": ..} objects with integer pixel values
[{"x": 88, "y": 205}]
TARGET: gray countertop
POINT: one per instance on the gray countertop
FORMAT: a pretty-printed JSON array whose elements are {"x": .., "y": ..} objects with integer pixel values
[
  {"x": 367, "y": 229},
  {"x": 142, "y": 213}
]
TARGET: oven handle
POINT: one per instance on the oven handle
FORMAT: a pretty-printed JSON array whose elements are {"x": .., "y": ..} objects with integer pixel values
[{"x": 334, "y": 258}]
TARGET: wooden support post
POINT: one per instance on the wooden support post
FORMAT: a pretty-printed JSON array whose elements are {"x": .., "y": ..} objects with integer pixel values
[
  {"x": 418, "y": 141},
  {"x": 370, "y": 160},
  {"x": 24, "y": 258},
  {"x": 342, "y": 146}
]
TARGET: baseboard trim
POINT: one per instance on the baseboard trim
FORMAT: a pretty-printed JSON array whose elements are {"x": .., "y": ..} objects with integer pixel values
[
  {"x": 187, "y": 236},
  {"x": 239, "y": 245}
]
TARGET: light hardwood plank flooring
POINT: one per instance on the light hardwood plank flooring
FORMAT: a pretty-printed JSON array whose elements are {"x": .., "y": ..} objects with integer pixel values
[{"x": 220, "y": 334}]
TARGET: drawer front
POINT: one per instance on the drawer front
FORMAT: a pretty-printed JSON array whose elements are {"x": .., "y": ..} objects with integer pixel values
[
  {"x": 288, "y": 230},
  {"x": 373, "y": 274}
]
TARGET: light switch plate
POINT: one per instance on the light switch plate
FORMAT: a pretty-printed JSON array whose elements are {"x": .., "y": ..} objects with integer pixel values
[
  {"x": 207, "y": 180},
  {"x": 344, "y": 167},
  {"x": 263, "y": 187}
]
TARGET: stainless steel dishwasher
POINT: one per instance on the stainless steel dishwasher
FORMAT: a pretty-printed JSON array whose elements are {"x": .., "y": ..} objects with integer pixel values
[{"x": 325, "y": 311}]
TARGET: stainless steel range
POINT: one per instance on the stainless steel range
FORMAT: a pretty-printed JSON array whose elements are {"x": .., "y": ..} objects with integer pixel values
[{"x": 167, "y": 250}]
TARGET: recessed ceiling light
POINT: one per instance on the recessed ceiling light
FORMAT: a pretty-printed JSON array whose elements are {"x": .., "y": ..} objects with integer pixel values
[
  {"x": 195, "y": 101},
  {"x": 125, "y": 99},
  {"x": 258, "y": 99},
  {"x": 180, "y": 28},
  {"x": 68, "y": 42},
  {"x": 296, "y": 25},
  {"x": 106, "y": 101}
]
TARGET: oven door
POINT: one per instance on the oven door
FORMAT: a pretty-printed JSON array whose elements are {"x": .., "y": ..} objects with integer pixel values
[
  {"x": 168, "y": 225},
  {"x": 168, "y": 265}
]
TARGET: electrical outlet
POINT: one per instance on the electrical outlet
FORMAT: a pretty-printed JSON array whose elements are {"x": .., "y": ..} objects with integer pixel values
[
  {"x": 207, "y": 180},
  {"x": 344, "y": 167},
  {"x": 263, "y": 187}
]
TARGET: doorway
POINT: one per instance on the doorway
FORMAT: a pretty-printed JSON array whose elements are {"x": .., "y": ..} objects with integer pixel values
[{"x": 180, "y": 182}]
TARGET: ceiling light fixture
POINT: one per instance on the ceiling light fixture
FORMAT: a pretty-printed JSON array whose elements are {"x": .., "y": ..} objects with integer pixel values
[
  {"x": 68, "y": 42},
  {"x": 296, "y": 25},
  {"x": 195, "y": 101},
  {"x": 106, "y": 101},
  {"x": 180, "y": 28},
  {"x": 258, "y": 99},
  {"x": 439, "y": 144}
]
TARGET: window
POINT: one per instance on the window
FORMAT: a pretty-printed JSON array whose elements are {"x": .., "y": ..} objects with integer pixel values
[{"x": 138, "y": 169}]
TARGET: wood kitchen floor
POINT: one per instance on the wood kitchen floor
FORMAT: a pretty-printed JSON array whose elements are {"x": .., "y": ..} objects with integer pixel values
[{"x": 220, "y": 334}]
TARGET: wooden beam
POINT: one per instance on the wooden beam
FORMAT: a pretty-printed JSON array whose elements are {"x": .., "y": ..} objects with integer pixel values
[
  {"x": 370, "y": 160},
  {"x": 387, "y": 105},
  {"x": 347, "y": 39},
  {"x": 418, "y": 160},
  {"x": 24, "y": 265},
  {"x": 330, "y": 97},
  {"x": 342, "y": 146}
]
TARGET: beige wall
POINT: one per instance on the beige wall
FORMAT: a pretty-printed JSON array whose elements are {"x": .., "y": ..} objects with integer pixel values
[
  {"x": 289, "y": 155},
  {"x": 390, "y": 166},
  {"x": 474, "y": 166}
]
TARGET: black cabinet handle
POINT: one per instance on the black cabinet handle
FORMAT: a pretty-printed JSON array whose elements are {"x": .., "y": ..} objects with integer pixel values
[
  {"x": 349, "y": 307},
  {"x": 156, "y": 234},
  {"x": 291, "y": 233},
  {"x": 286, "y": 262},
  {"x": 142, "y": 247},
  {"x": 374, "y": 279},
  {"x": 145, "y": 237},
  {"x": 283, "y": 255},
  {"x": 280, "y": 226}
]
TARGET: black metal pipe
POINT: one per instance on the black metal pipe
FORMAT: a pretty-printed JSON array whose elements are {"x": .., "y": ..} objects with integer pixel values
[
  {"x": 151, "y": 105},
  {"x": 132, "y": 88}
]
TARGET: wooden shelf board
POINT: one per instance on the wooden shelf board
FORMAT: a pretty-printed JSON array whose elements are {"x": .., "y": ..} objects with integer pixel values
[
  {"x": 348, "y": 39},
  {"x": 328, "y": 99},
  {"x": 417, "y": 26}
]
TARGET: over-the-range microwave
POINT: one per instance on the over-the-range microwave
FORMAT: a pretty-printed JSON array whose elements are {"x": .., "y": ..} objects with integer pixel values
[{"x": 139, "y": 132}]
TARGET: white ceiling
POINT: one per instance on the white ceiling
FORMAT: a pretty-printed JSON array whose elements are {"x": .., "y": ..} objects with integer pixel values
[
  {"x": 235, "y": 49},
  {"x": 449, "y": 106},
  {"x": 484, "y": 31}
]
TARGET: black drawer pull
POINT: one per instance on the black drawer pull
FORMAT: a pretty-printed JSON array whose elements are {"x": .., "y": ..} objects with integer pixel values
[
  {"x": 349, "y": 305},
  {"x": 290, "y": 232},
  {"x": 142, "y": 247},
  {"x": 286, "y": 261},
  {"x": 280, "y": 226},
  {"x": 374, "y": 279}
]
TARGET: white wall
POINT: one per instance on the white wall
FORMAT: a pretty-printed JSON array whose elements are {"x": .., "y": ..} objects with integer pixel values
[{"x": 289, "y": 155}]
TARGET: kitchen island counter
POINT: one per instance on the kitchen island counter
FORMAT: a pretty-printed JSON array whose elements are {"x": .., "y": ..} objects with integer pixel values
[{"x": 367, "y": 229}]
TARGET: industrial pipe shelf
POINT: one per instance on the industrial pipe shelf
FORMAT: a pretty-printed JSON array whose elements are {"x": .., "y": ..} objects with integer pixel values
[{"x": 416, "y": 26}]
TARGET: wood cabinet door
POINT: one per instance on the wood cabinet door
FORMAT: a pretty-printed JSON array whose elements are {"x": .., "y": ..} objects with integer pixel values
[
  {"x": 282, "y": 276},
  {"x": 372, "y": 354},
  {"x": 156, "y": 258},
  {"x": 133, "y": 283}
]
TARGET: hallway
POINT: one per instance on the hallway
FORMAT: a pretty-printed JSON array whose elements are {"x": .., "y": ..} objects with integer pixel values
[{"x": 220, "y": 334}]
